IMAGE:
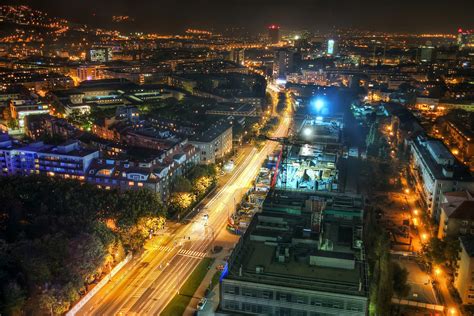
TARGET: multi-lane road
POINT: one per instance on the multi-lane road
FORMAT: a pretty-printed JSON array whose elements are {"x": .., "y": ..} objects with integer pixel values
[{"x": 147, "y": 286}]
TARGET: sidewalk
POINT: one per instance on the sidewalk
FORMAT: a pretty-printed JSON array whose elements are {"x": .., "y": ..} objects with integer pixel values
[{"x": 227, "y": 241}]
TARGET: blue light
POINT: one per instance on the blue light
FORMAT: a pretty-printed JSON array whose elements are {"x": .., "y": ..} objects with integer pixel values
[{"x": 317, "y": 104}]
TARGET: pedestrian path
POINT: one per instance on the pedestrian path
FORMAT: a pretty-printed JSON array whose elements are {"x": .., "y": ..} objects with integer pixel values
[{"x": 191, "y": 253}]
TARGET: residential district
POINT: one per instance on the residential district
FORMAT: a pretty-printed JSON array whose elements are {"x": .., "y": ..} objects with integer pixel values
[{"x": 289, "y": 172}]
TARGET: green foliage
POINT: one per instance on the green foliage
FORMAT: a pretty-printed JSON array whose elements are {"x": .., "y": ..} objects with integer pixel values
[
  {"x": 178, "y": 304},
  {"x": 186, "y": 192},
  {"x": 444, "y": 251},
  {"x": 58, "y": 236}
]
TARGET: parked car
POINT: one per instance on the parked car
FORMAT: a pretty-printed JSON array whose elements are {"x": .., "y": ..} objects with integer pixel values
[{"x": 201, "y": 304}]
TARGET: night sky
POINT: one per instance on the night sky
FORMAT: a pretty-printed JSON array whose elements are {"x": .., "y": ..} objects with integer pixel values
[{"x": 174, "y": 16}]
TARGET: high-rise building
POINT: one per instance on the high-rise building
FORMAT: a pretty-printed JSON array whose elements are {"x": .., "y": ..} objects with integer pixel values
[
  {"x": 283, "y": 63},
  {"x": 426, "y": 53},
  {"x": 274, "y": 33},
  {"x": 237, "y": 56},
  {"x": 331, "y": 47},
  {"x": 465, "y": 39}
]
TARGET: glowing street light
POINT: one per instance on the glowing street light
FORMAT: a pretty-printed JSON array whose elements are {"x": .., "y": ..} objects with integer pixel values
[
  {"x": 307, "y": 131},
  {"x": 416, "y": 212},
  {"x": 407, "y": 190},
  {"x": 437, "y": 271},
  {"x": 452, "y": 311},
  {"x": 424, "y": 236}
]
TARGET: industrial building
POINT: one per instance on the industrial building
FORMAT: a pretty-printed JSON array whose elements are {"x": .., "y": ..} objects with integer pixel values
[{"x": 303, "y": 255}]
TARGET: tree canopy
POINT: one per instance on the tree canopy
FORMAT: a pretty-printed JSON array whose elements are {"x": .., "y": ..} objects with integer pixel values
[{"x": 59, "y": 236}]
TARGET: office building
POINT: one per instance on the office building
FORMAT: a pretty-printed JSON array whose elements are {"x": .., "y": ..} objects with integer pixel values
[
  {"x": 290, "y": 262},
  {"x": 274, "y": 34}
]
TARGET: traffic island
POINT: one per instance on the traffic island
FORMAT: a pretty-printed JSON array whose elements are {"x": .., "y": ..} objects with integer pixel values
[{"x": 180, "y": 301}]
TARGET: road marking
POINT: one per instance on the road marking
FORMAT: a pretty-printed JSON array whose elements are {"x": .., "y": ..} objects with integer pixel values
[
  {"x": 191, "y": 253},
  {"x": 161, "y": 248}
]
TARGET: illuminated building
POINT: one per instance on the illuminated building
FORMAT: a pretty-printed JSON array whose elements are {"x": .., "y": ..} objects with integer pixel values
[
  {"x": 99, "y": 54},
  {"x": 19, "y": 109},
  {"x": 283, "y": 63},
  {"x": 331, "y": 47},
  {"x": 456, "y": 215},
  {"x": 289, "y": 263},
  {"x": 274, "y": 34},
  {"x": 437, "y": 171},
  {"x": 213, "y": 143},
  {"x": 463, "y": 281},
  {"x": 68, "y": 160},
  {"x": 426, "y": 53},
  {"x": 89, "y": 72},
  {"x": 465, "y": 39},
  {"x": 237, "y": 56}
]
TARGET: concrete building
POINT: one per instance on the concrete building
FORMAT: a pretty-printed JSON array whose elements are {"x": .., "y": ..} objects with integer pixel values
[
  {"x": 283, "y": 63},
  {"x": 436, "y": 171},
  {"x": 68, "y": 160},
  {"x": 462, "y": 141},
  {"x": 149, "y": 169},
  {"x": 456, "y": 215},
  {"x": 213, "y": 143},
  {"x": 286, "y": 265},
  {"x": 463, "y": 281},
  {"x": 274, "y": 34},
  {"x": 21, "y": 108}
]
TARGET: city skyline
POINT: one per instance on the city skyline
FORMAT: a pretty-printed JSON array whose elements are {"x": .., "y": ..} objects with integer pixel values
[{"x": 171, "y": 17}]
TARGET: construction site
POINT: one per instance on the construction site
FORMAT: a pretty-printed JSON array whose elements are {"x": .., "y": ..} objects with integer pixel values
[{"x": 309, "y": 157}]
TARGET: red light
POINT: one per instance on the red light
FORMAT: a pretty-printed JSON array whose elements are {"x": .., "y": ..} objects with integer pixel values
[
  {"x": 273, "y": 26},
  {"x": 460, "y": 30}
]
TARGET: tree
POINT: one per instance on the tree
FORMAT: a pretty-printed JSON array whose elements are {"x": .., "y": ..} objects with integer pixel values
[
  {"x": 13, "y": 299},
  {"x": 181, "y": 184},
  {"x": 400, "y": 279}
]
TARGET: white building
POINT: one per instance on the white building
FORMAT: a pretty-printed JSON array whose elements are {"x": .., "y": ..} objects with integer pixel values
[
  {"x": 437, "y": 171},
  {"x": 214, "y": 143}
]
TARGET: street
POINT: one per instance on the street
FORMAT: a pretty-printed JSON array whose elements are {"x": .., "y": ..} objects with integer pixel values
[{"x": 146, "y": 287}]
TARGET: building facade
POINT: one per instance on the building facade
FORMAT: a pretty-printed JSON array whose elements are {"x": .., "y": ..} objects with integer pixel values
[{"x": 214, "y": 143}]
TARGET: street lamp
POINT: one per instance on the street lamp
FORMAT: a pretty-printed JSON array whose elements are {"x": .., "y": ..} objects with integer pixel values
[
  {"x": 407, "y": 190},
  {"x": 415, "y": 211},
  {"x": 424, "y": 236},
  {"x": 452, "y": 311},
  {"x": 307, "y": 131},
  {"x": 437, "y": 271}
]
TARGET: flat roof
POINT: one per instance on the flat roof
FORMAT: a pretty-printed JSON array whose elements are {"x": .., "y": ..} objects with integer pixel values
[{"x": 295, "y": 273}]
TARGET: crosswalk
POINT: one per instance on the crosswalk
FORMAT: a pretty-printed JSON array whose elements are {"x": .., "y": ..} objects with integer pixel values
[
  {"x": 162, "y": 248},
  {"x": 191, "y": 253},
  {"x": 182, "y": 252}
]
